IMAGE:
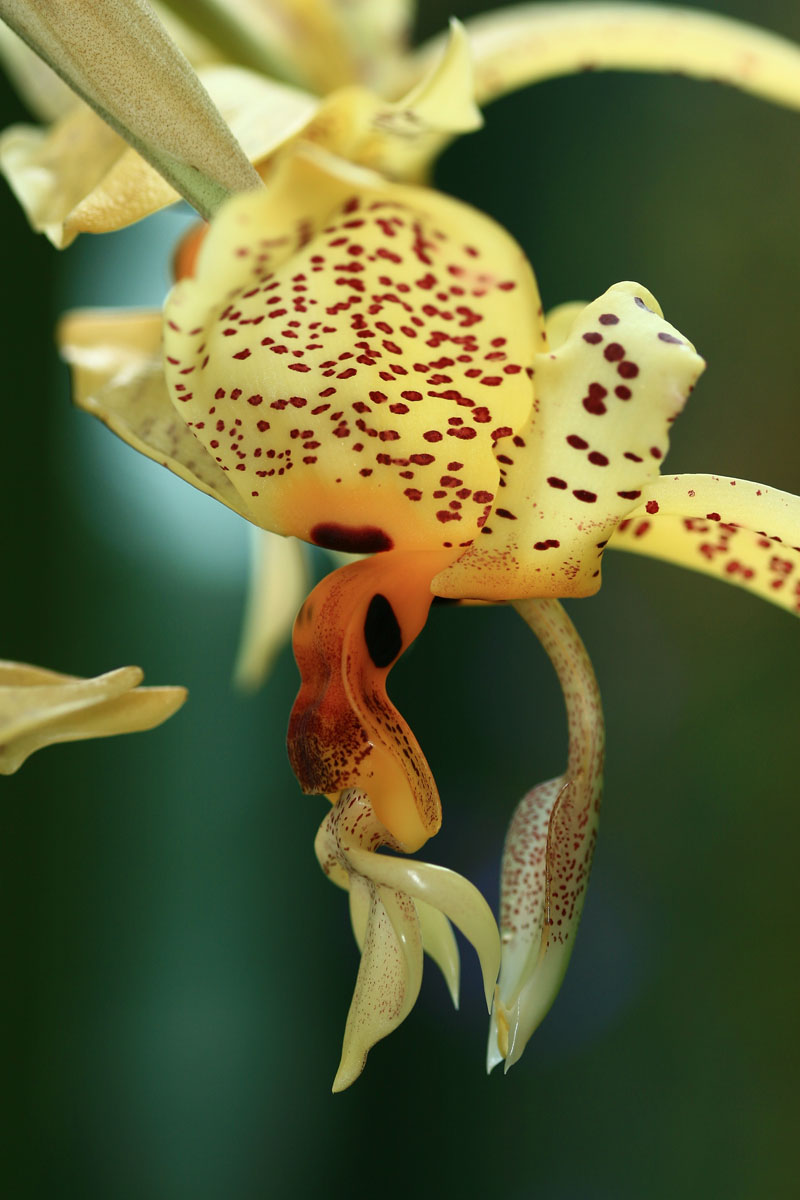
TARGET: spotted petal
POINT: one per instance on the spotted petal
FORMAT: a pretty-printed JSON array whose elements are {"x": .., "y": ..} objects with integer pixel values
[
  {"x": 120, "y": 59},
  {"x": 596, "y": 436},
  {"x": 548, "y": 850},
  {"x": 40, "y": 707},
  {"x": 520, "y": 45},
  {"x": 118, "y": 376},
  {"x": 344, "y": 732},
  {"x": 350, "y": 347},
  {"x": 397, "y": 906},
  {"x": 740, "y": 532}
]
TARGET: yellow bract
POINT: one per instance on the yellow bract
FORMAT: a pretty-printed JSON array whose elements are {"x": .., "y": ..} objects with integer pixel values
[{"x": 40, "y": 707}]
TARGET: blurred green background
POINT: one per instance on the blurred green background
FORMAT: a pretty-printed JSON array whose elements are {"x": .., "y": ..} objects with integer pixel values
[{"x": 179, "y": 970}]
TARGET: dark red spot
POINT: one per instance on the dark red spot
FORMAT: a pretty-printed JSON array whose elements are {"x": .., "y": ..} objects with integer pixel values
[
  {"x": 713, "y": 517},
  {"x": 364, "y": 539},
  {"x": 592, "y": 339},
  {"x": 255, "y": 400},
  {"x": 503, "y": 512},
  {"x": 628, "y": 370},
  {"x": 623, "y": 392},
  {"x": 586, "y": 497},
  {"x": 593, "y": 403},
  {"x": 609, "y": 319},
  {"x": 629, "y": 495},
  {"x": 652, "y": 506},
  {"x": 556, "y": 483},
  {"x": 577, "y": 442},
  {"x": 614, "y": 352},
  {"x": 598, "y": 459},
  {"x": 550, "y": 544}
]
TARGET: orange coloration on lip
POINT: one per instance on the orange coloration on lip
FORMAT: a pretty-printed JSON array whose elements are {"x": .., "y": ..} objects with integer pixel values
[
  {"x": 184, "y": 260},
  {"x": 344, "y": 731}
]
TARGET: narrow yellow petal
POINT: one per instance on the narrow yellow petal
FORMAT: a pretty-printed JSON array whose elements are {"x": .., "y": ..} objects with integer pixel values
[
  {"x": 120, "y": 59},
  {"x": 118, "y": 376},
  {"x": 386, "y": 296},
  {"x": 39, "y": 708},
  {"x": 596, "y": 437},
  {"x": 438, "y": 940},
  {"x": 548, "y": 852},
  {"x": 277, "y": 588},
  {"x": 521, "y": 45},
  {"x": 740, "y": 532}
]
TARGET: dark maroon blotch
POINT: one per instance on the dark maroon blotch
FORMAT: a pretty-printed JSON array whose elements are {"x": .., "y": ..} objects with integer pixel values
[{"x": 363, "y": 539}]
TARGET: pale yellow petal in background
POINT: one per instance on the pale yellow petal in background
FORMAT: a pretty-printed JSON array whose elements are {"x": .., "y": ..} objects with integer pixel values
[
  {"x": 439, "y": 941},
  {"x": 279, "y": 582},
  {"x": 740, "y": 532},
  {"x": 118, "y": 376},
  {"x": 81, "y": 177},
  {"x": 548, "y": 852},
  {"x": 517, "y": 46},
  {"x": 40, "y": 707},
  {"x": 121, "y": 60},
  {"x": 47, "y": 96},
  {"x": 560, "y": 321},
  {"x": 597, "y": 435}
]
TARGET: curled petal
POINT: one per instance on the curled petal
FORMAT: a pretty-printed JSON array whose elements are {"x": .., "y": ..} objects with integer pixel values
[
  {"x": 40, "y": 707},
  {"x": 120, "y": 59},
  {"x": 278, "y": 583},
  {"x": 523, "y": 44},
  {"x": 548, "y": 850},
  {"x": 740, "y": 532},
  {"x": 118, "y": 376},
  {"x": 596, "y": 437},
  {"x": 315, "y": 325},
  {"x": 392, "y": 924},
  {"x": 344, "y": 732}
]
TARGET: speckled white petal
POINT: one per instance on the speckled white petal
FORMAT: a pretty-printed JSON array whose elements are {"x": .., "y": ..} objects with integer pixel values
[
  {"x": 523, "y": 44},
  {"x": 120, "y": 59},
  {"x": 739, "y": 532},
  {"x": 548, "y": 852},
  {"x": 597, "y": 434},
  {"x": 40, "y": 707}
]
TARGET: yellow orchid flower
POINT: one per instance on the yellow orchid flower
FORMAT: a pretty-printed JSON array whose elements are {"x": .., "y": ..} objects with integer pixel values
[
  {"x": 364, "y": 365},
  {"x": 39, "y": 708}
]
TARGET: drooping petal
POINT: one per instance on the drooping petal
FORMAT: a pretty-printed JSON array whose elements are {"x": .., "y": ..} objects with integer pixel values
[
  {"x": 523, "y": 44},
  {"x": 120, "y": 59},
  {"x": 344, "y": 732},
  {"x": 385, "y": 295},
  {"x": 81, "y": 177},
  {"x": 392, "y": 923},
  {"x": 596, "y": 437},
  {"x": 438, "y": 941},
  {"x": 40, "y": 707},
  {"x": 118, "y": 376},
  {"x": 740, "y": 532},
  {"x": 278, "y": 585},
  {"x": 548, "y": 850}
]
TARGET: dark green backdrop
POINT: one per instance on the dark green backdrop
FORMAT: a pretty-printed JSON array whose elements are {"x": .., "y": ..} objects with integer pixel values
[{"x": 177, "y": 968}]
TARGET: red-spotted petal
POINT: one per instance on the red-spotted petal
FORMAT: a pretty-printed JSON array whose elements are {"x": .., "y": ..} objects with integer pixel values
[
  {"x": 355, "y": 347},
  {"x": 740, "y": 532},
  {"x": 605, "y": 398}
]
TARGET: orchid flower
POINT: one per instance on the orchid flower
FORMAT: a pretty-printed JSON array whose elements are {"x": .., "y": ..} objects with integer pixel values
[
  {"x": 39, "y": 708},
  {"x": 341, "y": 76},
  {"x": 363, "y": 364}
]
